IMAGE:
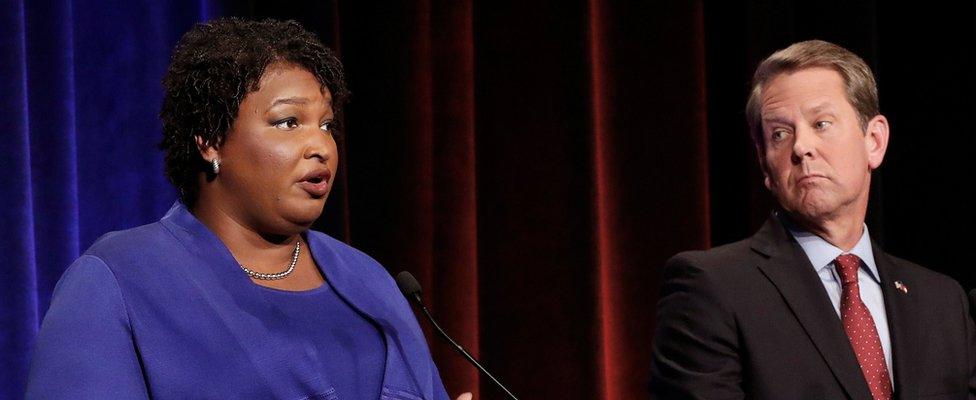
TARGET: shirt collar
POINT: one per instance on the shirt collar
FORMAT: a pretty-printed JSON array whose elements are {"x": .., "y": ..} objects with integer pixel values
[{"x": 821, "y": 253}]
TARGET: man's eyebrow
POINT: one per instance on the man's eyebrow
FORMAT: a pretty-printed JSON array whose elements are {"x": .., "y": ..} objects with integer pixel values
[
  {"x": 822, "y": 107},
  {"x": 775, "y": 119},
  {"x": 819, "y": 108}
]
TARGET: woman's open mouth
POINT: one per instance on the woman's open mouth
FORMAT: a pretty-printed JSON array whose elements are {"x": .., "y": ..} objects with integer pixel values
[{"x": 316, "y": 183}]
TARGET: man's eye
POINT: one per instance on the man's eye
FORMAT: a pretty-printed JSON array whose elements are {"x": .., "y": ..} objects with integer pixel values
[
  {"x": 286, "y": 124},
  {"x": 779, "y": 135},
  {"x": 821, "y": 125}
]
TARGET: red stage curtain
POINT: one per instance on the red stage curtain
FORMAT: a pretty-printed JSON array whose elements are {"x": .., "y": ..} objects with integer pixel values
[{"x": 533, "y": 164}]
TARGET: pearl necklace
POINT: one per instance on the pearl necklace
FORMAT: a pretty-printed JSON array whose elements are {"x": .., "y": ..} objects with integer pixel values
[{"x": 277, "y": 275}]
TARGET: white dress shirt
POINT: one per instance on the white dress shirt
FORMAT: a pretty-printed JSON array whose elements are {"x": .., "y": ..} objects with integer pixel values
[{"x": 822, "y": 254}]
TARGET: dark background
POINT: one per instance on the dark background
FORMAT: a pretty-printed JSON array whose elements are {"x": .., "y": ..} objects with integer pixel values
[{"x": 533, "y": 163}]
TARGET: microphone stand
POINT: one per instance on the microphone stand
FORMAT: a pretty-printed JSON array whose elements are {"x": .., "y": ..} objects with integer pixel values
[{"x": 472, "y": 360}]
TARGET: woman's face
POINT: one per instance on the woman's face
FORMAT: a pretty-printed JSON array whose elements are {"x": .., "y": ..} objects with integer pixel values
[{"x": 279, "y": 158}]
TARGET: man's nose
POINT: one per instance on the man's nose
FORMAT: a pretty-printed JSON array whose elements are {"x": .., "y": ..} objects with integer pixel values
[{"x": 804, "y": 143}]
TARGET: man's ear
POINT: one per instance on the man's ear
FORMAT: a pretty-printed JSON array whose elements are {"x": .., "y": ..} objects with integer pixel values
[
  {"x": 207, "y": 151},
  {"x": 761, "y": 158},
  {"x": 876, "y": 140}
]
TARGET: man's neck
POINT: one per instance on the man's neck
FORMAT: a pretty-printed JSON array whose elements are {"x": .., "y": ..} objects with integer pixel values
[{"x": 844, "y": 233}]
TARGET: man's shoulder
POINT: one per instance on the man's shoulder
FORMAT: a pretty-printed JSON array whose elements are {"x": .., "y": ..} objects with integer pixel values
[
  {"x": 738, "y": 256},
  {"x": 906, "y": 270},
  {"x": 729, "y": 257}
]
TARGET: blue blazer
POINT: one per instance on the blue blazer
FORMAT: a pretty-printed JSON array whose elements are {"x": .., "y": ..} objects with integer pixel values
[{"x": 164, "y": 311}]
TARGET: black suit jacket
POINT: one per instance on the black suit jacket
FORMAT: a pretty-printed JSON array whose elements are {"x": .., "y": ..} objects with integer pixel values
[{"x": 752, "y": 320}]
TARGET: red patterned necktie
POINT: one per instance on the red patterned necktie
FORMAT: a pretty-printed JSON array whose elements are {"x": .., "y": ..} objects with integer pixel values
[{"x": 861, "y": 330}]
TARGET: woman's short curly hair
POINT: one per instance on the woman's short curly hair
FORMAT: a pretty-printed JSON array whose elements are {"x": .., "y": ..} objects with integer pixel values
[{"x": 213, "y": 67}]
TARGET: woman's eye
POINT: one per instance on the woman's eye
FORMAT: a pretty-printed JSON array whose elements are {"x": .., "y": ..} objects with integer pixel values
[
  {"x": 821, "y": 125},
  {"x": 778, "y": 135},
  {"x": 327, "y": 126},
  {"x": 287, "y": 124}
]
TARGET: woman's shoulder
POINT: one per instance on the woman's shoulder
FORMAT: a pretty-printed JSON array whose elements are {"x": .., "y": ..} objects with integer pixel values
[
  {"x": 139, "y": 239},
  {"x": 137, "y": 250},
  {"x": 341, "y": 248},
  {"x": 350, "y": 255}
]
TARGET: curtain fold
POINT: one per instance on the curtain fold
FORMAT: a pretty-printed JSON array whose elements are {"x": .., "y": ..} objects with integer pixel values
[
  {"x": 80, "y": 100},
  {"x": 455, "y": 269},
  {"x": 53, "y": 138},
  {"x": 650, "y": 157},
  {"x": 19, "y": 316}
]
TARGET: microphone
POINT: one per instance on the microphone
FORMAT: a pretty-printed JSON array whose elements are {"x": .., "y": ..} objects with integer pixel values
[{"x": 411, "y": 290}]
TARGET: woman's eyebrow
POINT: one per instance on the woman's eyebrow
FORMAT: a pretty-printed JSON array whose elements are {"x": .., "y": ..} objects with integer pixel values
[{"x": 290, "y": 100}]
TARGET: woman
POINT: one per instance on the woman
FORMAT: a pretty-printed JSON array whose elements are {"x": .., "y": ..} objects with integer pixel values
[{"x": 231, "y": 295}]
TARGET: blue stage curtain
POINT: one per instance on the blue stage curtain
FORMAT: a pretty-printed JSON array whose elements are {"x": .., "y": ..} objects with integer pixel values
[{"x": 80, "y": 94}]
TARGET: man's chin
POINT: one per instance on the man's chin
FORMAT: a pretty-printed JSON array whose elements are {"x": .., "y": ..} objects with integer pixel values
[{"x": 813, "y": 209}]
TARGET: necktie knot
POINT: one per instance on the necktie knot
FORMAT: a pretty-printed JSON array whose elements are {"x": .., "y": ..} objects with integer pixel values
[{"x": 847, "y": 267}]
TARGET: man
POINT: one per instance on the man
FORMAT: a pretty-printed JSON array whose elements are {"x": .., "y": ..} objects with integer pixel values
[{"x": 809, "y": 307}]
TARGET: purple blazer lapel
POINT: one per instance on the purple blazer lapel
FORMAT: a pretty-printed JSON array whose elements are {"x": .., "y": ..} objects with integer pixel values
[
  {"x": 357, "y": 278},
  {"x": 224, "y": 287},
  {"x": 369, "y": 288}
]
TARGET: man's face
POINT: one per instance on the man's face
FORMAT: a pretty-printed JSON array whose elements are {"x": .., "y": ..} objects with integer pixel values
[{"x": 818, "y": 159}]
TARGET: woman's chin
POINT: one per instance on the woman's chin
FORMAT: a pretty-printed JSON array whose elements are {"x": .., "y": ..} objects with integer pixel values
[{"x": 304, "y": 215}]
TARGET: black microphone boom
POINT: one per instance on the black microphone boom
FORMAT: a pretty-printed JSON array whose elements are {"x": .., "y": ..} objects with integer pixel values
[{"x": 411, "y": 290}]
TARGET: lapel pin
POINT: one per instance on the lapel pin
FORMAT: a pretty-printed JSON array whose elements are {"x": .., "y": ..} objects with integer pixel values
[{"x": 901, "y": 286}]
